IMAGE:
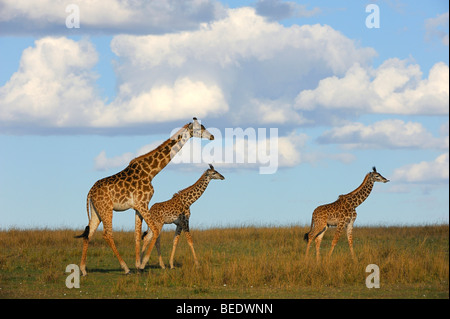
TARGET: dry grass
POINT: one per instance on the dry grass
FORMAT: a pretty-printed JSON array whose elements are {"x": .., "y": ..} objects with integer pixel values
[{"x": 245, "y": 262}]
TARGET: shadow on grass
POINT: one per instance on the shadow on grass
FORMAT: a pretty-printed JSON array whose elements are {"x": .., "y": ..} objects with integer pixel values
[
  {"x": 103, "y": 270},
  {"x": 157, "y": 266},
  {"x": 132, "y": 270}
]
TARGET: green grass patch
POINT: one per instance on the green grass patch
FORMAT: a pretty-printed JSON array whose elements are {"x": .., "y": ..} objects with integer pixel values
[{"x": 246, "y": 262}]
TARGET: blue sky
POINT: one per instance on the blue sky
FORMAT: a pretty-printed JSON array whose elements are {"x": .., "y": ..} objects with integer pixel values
[{"x": 76, "y": 104}]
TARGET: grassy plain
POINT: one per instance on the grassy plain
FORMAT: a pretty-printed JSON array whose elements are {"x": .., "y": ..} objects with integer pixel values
[{"x": 242, "y": 262}]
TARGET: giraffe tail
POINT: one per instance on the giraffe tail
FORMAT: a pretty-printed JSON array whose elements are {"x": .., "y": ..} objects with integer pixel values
[
  {"x": 306, "y": 236},
  {"x": 88, "y": 201},
  {"x": 85, "y": 234}
]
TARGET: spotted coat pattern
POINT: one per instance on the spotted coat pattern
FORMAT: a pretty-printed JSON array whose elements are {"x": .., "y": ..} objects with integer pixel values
[
  {"x": 132, "y": 188},
  {"x": 341, "y": 213},
  {"x": 175, "y": 211}
]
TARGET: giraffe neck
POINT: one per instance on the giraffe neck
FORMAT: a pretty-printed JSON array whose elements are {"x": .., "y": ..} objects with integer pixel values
[
  {"x": 154, "y": 161},
  {"x": 190, "y": 194},
  {"x": 359, "y": 195}
]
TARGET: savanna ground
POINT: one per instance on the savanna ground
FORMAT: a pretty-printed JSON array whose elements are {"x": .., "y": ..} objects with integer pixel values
[{"x": 242, "y": 262}]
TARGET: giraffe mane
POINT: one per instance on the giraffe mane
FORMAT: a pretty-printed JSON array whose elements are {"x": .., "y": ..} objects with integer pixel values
[
  {"x": 159, "y": 146},
  {"x": 176, "y": 194},
  {"x": 359, "y": 187}
]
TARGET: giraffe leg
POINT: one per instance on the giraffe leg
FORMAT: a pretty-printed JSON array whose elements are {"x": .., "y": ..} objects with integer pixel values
[
  {"x": 339, "y": 229},
  {"x": 107, "y": 235},
  {"x": 307, "y": 247},
  {"x": 93, "y": 225},
  {"x": 175, "y": 242},
  {"x": 318, "y": 240},
  {"x": 137, "y": 238},
  {"x": 147, "y": 239},
  {"x": 308, "y": 237},
  {"x": 185, "y": 226},
  {"x": 350, "y": 237},
  {"x": 158, "y": 248},
  {"x": 316, "y": 231},
  {"x": 191, "y": 244},
  {"x": 154, "y": 236}
]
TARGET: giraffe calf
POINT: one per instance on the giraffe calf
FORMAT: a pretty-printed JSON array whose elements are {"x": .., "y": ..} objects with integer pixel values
[
  {"x": 175, "y": 211},
  {"x": 341, "y": 213}
]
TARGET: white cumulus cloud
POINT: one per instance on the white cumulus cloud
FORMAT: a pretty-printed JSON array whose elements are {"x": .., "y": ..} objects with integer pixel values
[
  {"x": 389, "y": 134},
  {"x": 165, "y": 103},
  {"x": 19, "y": 17},
  {"x": 395, "y": 87},
  {"x": 240, "y": 36},
  {"x": 54, "y": 85},
  {"x": 259, "y": 65},
  {"x": 437, "y": 28},
  {"x": 241, "y": 68},
  {"x": 423, "y": 172}
]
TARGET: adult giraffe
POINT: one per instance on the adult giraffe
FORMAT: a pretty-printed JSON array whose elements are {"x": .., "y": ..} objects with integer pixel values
[{"x": 132, "y": 188}]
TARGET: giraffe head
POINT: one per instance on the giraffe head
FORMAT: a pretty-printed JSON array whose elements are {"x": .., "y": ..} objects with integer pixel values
[
  {"x": 377, "y": 177},
  {"x": 213, "y": 174},
  {"x": 198, "y": 130}
]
